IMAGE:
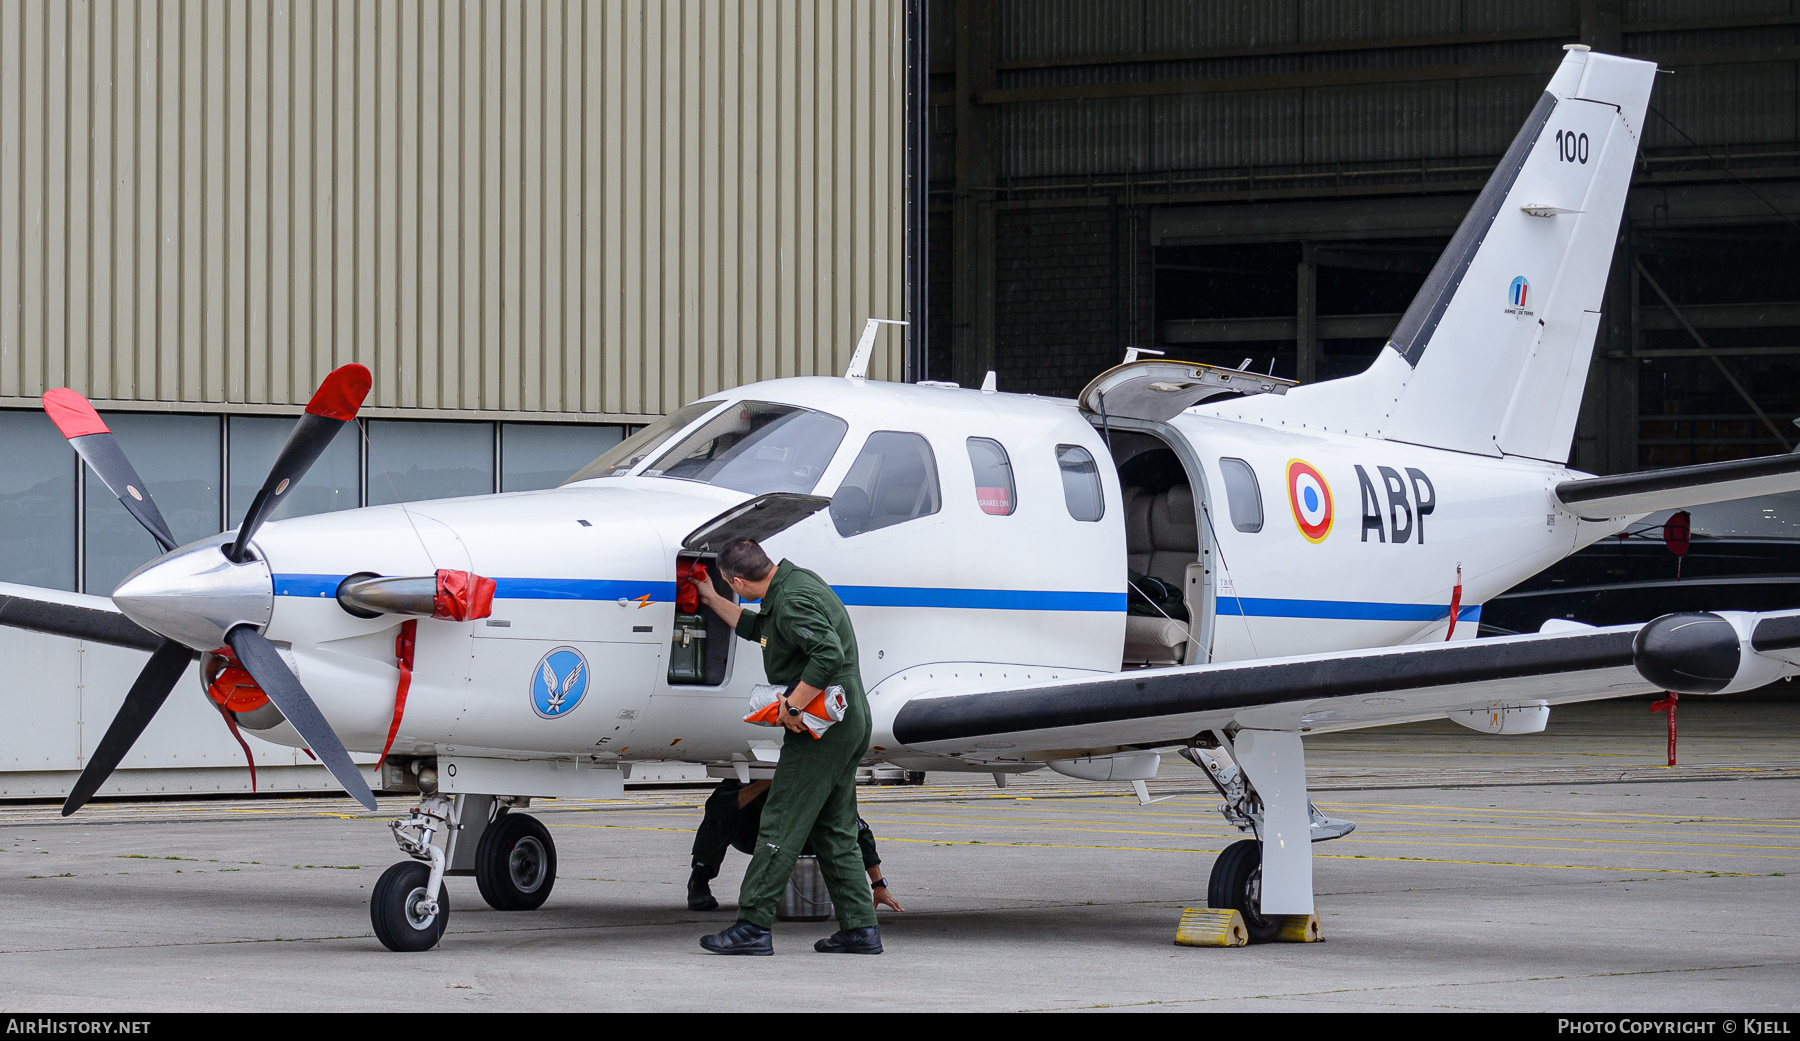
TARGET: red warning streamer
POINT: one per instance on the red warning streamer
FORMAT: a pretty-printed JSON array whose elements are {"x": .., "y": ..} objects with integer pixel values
[
  {"x": 1668, "y": 705},
  {"x": 1455, "y": 603},
  {"x": 403, "y": 650}
]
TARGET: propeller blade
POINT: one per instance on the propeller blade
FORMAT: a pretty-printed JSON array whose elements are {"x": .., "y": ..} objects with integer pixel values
[
  {"x": 264, "y": 663},
  {"x": 88, "y": 435},
  {"x": 167, "y": 663},
  {"x": 332, "y": 407}
]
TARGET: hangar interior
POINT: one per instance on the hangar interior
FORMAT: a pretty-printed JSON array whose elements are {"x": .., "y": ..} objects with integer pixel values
[{"x": 1272, "y": 182}]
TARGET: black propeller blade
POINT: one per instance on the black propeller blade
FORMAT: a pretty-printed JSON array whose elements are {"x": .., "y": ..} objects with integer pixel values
[
  {"x": 147, "y": 694},
  {"x": 265, "y": 666},
  {"x": 332, "y": 406},
  {"x": 88, "y": 435}
]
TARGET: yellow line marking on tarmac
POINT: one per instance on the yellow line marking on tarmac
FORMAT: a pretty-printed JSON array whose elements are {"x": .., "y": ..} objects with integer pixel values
[
  {"x": 1562, "y": 867},
  {"x": 1578, "y": 816}
]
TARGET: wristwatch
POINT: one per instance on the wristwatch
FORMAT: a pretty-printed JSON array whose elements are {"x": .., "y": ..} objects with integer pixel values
[
  {"x": 880, "y": 883},
  {"x": 791, "y": 710}
]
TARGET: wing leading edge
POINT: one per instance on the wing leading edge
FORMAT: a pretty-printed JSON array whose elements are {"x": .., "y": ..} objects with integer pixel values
[{"x": 1311, "y": 693}]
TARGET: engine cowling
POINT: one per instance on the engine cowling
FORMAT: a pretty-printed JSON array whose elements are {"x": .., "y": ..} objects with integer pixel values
[{"x": 1704, "y": 652}]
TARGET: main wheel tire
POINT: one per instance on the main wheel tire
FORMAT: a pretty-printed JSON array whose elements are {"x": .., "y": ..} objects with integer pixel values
[
  {"x": 1237, "y": 882},
  {"x": 394, "y": 909},
  {"x": 515, "y": 864}
]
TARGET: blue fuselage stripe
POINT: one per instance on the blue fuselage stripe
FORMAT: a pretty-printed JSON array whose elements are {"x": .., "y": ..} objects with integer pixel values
[
  {"x": 980, "y": 599},
  {"x": 913, "y": 596},
  {"x": 854, "y": 596},
  {"x": 1353, "y": 610}
]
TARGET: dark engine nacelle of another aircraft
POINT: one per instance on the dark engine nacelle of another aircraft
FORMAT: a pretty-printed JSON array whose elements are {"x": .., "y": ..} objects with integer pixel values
[{"x": 1703, "y": 652}]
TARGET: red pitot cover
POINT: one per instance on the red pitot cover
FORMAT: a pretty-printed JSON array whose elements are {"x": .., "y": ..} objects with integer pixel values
[
  {"x": 687, "y": 598},
  {"x": 463, "y": 596}
]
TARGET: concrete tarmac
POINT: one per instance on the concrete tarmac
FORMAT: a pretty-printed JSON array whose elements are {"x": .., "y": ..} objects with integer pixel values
[{"x": 1478, "y": 893}]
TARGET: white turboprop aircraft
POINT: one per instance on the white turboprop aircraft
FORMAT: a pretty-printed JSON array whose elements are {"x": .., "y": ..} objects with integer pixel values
[{"x": 1188, "y": 558}]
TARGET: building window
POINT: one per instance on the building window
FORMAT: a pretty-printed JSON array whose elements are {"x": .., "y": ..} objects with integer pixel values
[
  {"x": 178, "y": 458},
  {"x": 993, "y": 477},
  {"x": 1242, "y": 494},
  {"x": 543, "y": 455},
  {"x": 414, "y": 460},
  {"x": 333, "y": 483},
  {"x": 37, "y": 502},
  {"x": 1082, "y": 493},
  {"x": 893, "y": 480}
]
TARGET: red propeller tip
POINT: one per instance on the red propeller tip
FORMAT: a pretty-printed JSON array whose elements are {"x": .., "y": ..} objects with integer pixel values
[
  {"x": 72, "y": 414},
  {"x": 342, "y": 392}
]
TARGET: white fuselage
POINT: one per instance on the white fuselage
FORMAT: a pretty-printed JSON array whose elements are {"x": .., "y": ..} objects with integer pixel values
[{"x": 959, "y": 599}]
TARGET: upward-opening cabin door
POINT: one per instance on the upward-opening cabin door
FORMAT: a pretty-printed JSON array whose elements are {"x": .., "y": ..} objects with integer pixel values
[{"x": 1142, "y": 397}]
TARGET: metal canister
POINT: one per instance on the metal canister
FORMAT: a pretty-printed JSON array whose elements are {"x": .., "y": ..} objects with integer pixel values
[{"x": 806, "y": 898}]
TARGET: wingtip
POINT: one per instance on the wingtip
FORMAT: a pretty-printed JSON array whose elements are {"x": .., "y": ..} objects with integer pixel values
[
  {"x": 72, "y": 413},
  {"x": 341, "y": 393}
]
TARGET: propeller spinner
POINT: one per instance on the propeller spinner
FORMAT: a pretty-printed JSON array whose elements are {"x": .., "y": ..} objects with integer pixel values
[{"x": 213, "y": 593}]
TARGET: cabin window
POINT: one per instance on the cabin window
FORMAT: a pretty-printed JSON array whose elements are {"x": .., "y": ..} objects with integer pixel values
[
  {"x": 1081, "y": 483},
  {"x": 757, "y": 447},
  {"x": 893, "y": 480},
  {"x": 993, "y": 477},
  {"x": 1242, "y": 494},
  {"x": 622, "y": 457}
]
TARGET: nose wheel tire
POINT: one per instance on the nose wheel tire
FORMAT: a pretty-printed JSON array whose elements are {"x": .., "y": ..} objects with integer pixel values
[
  {"x": 1237, "y": 882},
  {"x": 395, "y": 909},
  {"x": 515, "y": 864}
]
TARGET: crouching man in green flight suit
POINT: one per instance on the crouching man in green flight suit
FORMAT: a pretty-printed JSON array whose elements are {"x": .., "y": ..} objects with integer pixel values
[{"x": 808, "y": 645}]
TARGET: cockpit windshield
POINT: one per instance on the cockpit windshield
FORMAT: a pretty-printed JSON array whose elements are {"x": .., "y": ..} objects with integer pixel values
[
  {"x": 757, "y": 447},
  {"x": 620, "y": 458}
]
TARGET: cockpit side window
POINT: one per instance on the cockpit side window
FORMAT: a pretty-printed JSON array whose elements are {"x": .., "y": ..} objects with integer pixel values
[
  {"x": 757, "y": 447},
  {"x": 620, "y": 458},
  {"x": 894, "y": 479},
  {"x": 1082, "y": 493},
  {"x": 993, "y": 477},
  {"x": 1243, "y": 494}
]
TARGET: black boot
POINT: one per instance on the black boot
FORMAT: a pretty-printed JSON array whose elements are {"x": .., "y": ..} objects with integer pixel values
[
  {"x": 700, "y": 896},
  {"x": 740, "y": 937},
  {"x": 866, "y": 940}
]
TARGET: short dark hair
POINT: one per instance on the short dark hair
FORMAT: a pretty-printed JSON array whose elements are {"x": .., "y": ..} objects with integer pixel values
[{"x": 745, "y": 559}]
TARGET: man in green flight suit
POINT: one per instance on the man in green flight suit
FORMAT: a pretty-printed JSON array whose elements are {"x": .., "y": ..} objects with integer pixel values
[{"x": 808, "y": 646}]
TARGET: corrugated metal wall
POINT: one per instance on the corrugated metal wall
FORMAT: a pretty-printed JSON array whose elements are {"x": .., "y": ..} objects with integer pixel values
[
  {"x": 540, "y": 206},
  {"x": 1717, "y": 105}
]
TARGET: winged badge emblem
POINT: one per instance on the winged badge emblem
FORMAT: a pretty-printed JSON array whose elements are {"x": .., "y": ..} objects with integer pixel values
[{"x": 552, "y": 695}]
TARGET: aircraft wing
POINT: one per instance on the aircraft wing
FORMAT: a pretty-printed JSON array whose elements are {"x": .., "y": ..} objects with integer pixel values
[
  {"x": 1600, "y": 498},
  {"x": 79, "y": 615},
  {"x": 1311, "y": 694}
]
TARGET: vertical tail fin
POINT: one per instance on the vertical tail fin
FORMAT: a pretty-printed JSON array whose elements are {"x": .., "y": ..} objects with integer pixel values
[{"x": 1492, "y": 355}]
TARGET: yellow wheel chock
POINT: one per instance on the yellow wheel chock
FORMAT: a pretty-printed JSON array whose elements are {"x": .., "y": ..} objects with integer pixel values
[
  {"x": 1300, "y": 928},
  {"x": 1224, "y": 927},
  {"x": 1211, "y": 927}
]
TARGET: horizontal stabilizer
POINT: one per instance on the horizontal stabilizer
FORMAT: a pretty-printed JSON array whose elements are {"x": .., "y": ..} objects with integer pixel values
[
  {"x": 1679, "y": 487},
  {"x": 76, "y": 615}
]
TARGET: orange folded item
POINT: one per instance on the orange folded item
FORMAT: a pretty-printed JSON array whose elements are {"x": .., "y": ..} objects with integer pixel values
[{"x": 824, "y": 710}]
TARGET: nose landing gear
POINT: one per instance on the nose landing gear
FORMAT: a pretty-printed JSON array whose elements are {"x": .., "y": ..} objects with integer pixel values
[
  {"x": 510, "y": 854},
  {"x": 404, "y": 916}
]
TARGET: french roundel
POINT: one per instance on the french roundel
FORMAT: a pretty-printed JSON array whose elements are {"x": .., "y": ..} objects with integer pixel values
[{"x": 1310, "y": 497}]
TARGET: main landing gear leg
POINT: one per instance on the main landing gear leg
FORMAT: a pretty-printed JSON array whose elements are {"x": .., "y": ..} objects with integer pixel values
[{"x": 1267, "y": 878}]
